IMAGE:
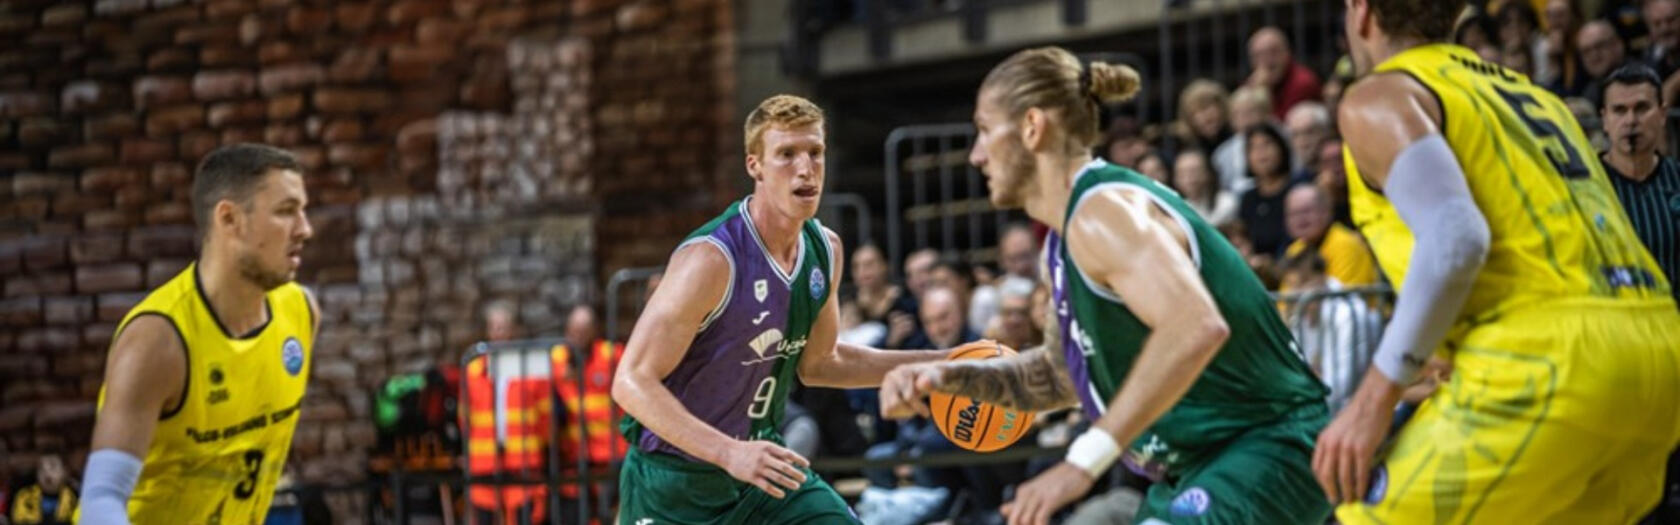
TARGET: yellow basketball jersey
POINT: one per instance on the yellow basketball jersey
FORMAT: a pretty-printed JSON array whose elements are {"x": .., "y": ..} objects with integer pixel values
[
  {"x": 216, "y": 458},
  {"x": 1557, "y": 228}
]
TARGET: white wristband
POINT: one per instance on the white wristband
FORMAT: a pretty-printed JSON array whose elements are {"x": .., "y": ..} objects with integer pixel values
[{"x": 1094, "y": 452}]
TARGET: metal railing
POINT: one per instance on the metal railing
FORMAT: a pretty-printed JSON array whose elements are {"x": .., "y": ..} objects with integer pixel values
[{"x": 1337, "y": 332}]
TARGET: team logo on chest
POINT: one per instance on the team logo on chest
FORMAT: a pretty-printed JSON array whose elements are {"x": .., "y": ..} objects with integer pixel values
[
  {"x": 818, "y": 283},
  {"x": 771, "y": 344},
  {"x": 291, "y": 355},
  {"x": 761, "y": 289}
]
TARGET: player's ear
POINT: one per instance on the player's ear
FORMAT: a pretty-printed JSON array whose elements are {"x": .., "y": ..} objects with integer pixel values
[
  {"x": 753, "y": 166},
  {"x": 1032, "y": 128},
  {"x": 227, "y": 214}
]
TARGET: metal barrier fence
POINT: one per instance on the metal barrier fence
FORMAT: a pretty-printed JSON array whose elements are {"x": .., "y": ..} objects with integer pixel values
[{"x": 1337, "y": 332}]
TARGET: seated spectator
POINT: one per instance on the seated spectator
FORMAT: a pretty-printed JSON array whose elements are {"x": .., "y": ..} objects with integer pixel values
[
  {"x": 1337, "y": 334},
  {"x": 1475, "y": 31},
  {"x": 1341, "y": 76},
  {"x": 1202, "y": 122},
  {"x": 1349, "y": 260},
  {"x": 1276, "y": 70},
  {"x": 1262, "y": 265},
  {"x": 1563, "y": 57},
  {"x": 1332, "y": 179},
  {"x": 51, "y": 500},
  {"x": 1309, "y": 125},
  {"x": 1013, "y": 327},
  {"x": 1153, "y": 167},
  {"x": 903, "y": 324},
  {"x": 1519, "y": 31},
  {"x": 1602, "y": 51},
  {"x": 1123, "y": 143},
  {"x": 1018, "y": 252},
  {"x": 944, "y": 325},
  {"x": 1201, "y": 190},
  {"x": 1261, "y": 208},
  {"x": 1518, "y": 58},
  {"x": 1663, "y": 18},
  {"x": 980, "y": 302},
  {"x": 876, "y": 296},
  {"x": 1250, "y": 108},
  {"x": 855, "y": 330}
]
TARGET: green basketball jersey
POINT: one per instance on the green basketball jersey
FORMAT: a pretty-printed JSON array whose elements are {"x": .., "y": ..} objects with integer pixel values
[{"x": 1257, "y": 378}]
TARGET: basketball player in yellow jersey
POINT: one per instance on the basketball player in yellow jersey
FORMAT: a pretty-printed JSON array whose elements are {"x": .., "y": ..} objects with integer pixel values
[
  {"x": 1487, "y": 208},
  {"x": 205, "y": 375}
]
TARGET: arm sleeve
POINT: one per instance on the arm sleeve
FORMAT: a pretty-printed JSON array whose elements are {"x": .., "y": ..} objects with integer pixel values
[
  {"x": 1451, "y": 238},
  {"x": 107, "y": 484}
]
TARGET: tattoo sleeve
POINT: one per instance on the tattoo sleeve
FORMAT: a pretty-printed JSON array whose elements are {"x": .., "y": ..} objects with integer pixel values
[{"x": 1033, "y": 380}]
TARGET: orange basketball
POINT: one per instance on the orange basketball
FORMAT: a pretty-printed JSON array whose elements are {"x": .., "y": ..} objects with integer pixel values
[{"x": 981, "y": 427}]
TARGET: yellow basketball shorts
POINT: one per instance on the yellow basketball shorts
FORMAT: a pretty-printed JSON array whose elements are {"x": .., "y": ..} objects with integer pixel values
[{"x": 1562, "y": 413}]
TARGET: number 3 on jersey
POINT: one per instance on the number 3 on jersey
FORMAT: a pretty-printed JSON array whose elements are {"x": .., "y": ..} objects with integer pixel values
[
  {"x": 253, "y": 469},
  {"x": 761, "y": 398}
]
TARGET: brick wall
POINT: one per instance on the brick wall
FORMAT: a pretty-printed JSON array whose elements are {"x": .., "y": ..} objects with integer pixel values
[{"x": 459, "y": 151}]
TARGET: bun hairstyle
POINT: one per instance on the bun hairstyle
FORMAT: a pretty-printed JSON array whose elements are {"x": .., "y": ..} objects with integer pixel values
[
  {"x": 1111, "y": 83},
  {"x": 1070, "y": 89}
]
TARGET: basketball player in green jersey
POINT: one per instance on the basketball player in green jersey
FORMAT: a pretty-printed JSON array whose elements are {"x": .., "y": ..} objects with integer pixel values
[{"x": 1163, "y": 334}]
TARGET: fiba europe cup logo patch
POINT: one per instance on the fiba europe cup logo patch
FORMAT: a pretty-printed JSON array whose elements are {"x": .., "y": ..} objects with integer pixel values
[
  {"x": 291, "y": 355},
  {"x": 818, "y": 284},
  {"x": 1193, "y": 502}
]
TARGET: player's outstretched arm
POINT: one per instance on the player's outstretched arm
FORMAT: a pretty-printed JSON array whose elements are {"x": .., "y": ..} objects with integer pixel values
[
  {"x": 145, "y": 375},
  {"x": 673, "y": 316},
  {"x": 1393, "y": 125},
  {"x": 829, "y": 363}
]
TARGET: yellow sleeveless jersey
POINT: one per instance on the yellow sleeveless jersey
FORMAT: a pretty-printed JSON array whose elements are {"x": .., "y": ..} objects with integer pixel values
[
  {"x": 216, "y": 458},
  {"x": 1557, "y": 229}
]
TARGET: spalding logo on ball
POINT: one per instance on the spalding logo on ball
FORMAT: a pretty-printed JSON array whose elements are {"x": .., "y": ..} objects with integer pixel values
[{"x": 981, "y": 427}]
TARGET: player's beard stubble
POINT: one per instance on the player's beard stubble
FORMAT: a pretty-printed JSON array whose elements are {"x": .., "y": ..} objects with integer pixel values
[
  {"x": 251, "y": 269},
  {"x": 1013, "y": 178}
]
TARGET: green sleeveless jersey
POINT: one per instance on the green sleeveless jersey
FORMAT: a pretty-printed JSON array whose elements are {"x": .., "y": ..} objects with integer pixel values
[{"x": 1257, "y": 378}]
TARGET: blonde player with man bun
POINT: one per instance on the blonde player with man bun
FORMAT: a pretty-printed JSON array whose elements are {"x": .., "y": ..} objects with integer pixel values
[{"x": 1161, "y": 333}]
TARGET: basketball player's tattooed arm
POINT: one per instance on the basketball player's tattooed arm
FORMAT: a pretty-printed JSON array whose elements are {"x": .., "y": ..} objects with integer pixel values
[
  {"x": 689, "y": 292},
  {"x": 1034, "y": 380},
  {"x": 145, "y": 377},
  {"x": 832, "y": 364}
]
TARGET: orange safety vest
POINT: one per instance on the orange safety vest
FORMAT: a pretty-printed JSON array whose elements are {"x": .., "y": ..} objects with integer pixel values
[
  {"x": 596, "y": 412},
  {"x": 605, "y": 444},
  {"x": 527, "y": 408}
]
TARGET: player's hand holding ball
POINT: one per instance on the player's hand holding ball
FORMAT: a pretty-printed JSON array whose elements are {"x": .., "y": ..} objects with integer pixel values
[
  {"x": 904, "y": 390},
  {"x": 765, "y": 465}
]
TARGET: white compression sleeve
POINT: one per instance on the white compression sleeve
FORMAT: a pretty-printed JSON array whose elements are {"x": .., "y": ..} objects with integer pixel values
[
  {"x": 106, "y": 486},
  {"x": 1451, "y": 239}
]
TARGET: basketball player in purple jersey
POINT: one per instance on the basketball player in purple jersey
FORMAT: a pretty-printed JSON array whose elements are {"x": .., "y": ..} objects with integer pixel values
[{"x": 746, "y": 308}]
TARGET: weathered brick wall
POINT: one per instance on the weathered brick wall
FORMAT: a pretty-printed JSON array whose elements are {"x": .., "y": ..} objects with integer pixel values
[{"x": 459, "y": 151}]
